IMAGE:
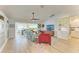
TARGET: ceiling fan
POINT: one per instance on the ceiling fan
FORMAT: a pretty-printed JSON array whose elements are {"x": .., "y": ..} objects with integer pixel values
[{"x": 33, "y": 16}]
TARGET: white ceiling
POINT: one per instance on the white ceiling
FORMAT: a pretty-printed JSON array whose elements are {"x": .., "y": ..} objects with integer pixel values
[{"x": 24, "y": 12}]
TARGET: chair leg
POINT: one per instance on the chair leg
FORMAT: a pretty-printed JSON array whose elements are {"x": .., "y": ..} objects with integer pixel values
[{"x": 49, "y": 43}]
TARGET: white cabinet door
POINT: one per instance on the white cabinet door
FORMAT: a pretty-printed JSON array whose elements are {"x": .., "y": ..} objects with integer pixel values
[{"x": 63, "y": 34}]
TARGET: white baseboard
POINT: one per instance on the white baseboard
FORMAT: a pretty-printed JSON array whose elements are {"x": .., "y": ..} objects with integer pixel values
[{"x": 1, "y": 49}]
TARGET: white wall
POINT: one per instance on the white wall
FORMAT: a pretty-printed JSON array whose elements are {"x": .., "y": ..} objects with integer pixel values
[
  {"x": 3, "y": 35},
  {"x": 51, "y": 21},
  {"x": 56, "y": 26},
  {"x": 58, "y": 33}
]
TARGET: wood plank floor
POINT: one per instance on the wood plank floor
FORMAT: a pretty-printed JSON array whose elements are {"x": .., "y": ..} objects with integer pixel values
[{"x": 62, "y": 46}]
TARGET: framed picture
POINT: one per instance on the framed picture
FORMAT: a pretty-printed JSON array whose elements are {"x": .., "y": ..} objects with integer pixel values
[{"x": 50, "y": 27}]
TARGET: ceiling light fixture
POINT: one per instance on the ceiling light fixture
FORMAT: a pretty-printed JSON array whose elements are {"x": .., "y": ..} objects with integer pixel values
[{"x": 33, "y": 16}]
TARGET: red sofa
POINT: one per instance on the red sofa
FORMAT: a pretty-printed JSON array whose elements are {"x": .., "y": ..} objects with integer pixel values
[{"x": 44, "y": 38}]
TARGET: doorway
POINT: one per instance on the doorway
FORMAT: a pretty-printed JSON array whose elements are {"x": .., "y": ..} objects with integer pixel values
[
  {"x": 74, "y": 23},
  {"x": 22, "y": 29}
]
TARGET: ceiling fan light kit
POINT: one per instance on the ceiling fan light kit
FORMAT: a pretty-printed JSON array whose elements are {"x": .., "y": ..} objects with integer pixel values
[{"x": 33, "y": 17}]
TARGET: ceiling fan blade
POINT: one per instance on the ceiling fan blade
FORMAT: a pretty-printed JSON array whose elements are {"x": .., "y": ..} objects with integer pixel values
[
  {"x": 35, "y": 19},
  {"x": 52, "y": 15}
]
